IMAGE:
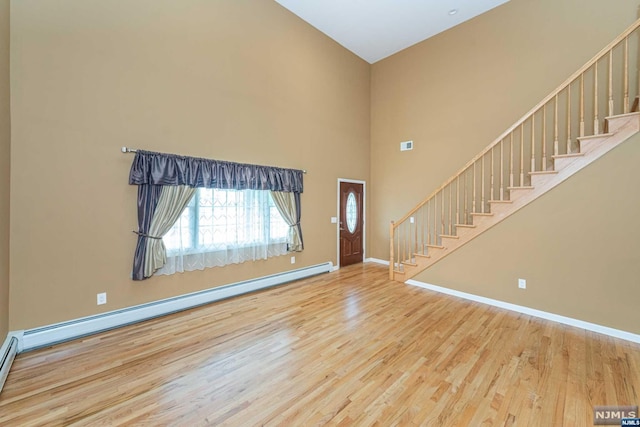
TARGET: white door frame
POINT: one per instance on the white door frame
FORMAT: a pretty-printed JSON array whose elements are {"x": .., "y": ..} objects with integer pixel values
[{"x": 364, "y": 219}]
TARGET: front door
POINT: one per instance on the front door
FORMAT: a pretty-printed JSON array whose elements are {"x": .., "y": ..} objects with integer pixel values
[{"x": 351, "y": 223}]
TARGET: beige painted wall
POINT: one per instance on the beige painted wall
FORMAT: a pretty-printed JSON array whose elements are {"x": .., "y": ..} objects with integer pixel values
[
  {"x": 243, "y": 81},
  {"x": 5, "y": 143},
  {"x": 577, "y": 246},
  {"x": 453, "y": 95}
]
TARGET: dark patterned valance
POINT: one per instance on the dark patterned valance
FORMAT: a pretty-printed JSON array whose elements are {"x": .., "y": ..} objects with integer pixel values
[{"x": 170, "y": 169}]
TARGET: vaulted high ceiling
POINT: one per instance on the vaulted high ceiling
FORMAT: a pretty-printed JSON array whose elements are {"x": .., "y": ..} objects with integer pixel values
[{"x": 375, "y": 29}]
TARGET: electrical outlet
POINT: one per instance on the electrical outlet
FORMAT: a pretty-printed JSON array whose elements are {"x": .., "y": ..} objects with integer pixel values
[
  {"x": 293, "y": 260},
  {"x": 334, "y": 220},
  {"x": 102, "y": 298},
  {"x": 412, "y": 220},
  {"x": 522, "y": 283}
]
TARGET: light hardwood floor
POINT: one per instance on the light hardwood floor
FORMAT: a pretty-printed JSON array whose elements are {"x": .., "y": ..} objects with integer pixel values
[{"x": 345, "y": 348}]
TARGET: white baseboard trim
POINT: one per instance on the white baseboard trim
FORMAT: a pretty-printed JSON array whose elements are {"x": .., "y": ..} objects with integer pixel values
[
  {"x": 377, "y": 261},
  {"x": 8, "y": 352},
  {"x": 616, "y": 333},
  {"x": 335, "y": 268},
  {"x": 59, "y": 332}
]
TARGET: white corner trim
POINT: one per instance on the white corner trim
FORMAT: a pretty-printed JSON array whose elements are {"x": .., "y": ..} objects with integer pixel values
[
  {"x": 12, "y": 334},
  {"x": 616, "y": 333},
  {"x": 377, "y": 261},
  {"x": 8, "y": 352},
  {"x": 47, "y": 335},
  {"x": 335, "y": 268}
]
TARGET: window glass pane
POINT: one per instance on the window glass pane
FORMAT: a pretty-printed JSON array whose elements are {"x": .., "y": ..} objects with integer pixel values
[
  {"x": 351, "y": 212},
  {"x": 224, "y": 219}
]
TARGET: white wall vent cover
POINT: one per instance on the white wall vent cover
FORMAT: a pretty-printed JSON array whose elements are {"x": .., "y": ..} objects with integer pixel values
[{"x": 406, "y": 145}]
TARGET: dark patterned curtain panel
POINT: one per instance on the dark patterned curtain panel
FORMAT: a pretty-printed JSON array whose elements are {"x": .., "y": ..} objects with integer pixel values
[
  {"x": 151, "y": 168},
  {"x": 148, "y": 196},
  {"x": 152, "y": 171}
]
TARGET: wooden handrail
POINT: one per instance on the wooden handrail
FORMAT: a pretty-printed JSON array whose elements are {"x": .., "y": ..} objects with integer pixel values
[{"x": 525, "y": 117}]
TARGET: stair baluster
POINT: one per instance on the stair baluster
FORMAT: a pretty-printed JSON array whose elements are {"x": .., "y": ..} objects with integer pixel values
[
  {"x": 458, "y": 200},
  {"x": 582, "y": 104},
  {"x": 533, "y": 145},
  {"x": 511, "y": 160},
  {"x": 626, "y": 76},
  {"x": 502, "y": 169},
  {"x": 555, "y": 126},
  {"x": 610, "y": 83},
  {"x": 596, "y": 120},
  {"x": 482, "y": 182},
  {"x": 492, "y": 183},
  {"x": 544, "y": 137},
  {"x": 568, "y": 119},
  {"x": 522, "y": 155}
]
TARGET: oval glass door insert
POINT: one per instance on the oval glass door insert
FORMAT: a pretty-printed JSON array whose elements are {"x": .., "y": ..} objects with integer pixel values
[{"x": 352, "y": 212}]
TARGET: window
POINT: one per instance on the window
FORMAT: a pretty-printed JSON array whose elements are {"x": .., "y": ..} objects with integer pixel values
[{"x": 220, "y": 227}]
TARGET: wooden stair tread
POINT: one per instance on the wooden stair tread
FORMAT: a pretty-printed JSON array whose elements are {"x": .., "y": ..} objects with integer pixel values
[
  {"x": 481, "y": 214},
  {"x": 412, "y": 264},
  {"x": 616, "y": 116},
  {"x": 524, "y": 187},
  {"x": 434, "y": 246},
  {"x": 567, "y": 156},
  {"x": 497, "y": 201},
  {"x": 448, "y": 236},
  {"x": 543, "y": 172},
  {"x": 588, "y": 137},
  {"x": 467, "y": 225},
  {"x": 422, "y": 255}
]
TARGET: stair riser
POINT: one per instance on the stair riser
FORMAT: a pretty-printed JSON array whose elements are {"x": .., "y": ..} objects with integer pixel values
[
  {"x": 559, "y": 164},
  {"x": 540, "y": 179},
  {"x": 590, "y": 145},
  {"x": 463, "y": 232},
  {"x": 448, "y": 241},
  {"x": 480, "y": 221},
  {"x": 434, "y": 253},
  {"x": 498, "y": 211},
  {"x": 516, "y": 194},
  {"x": 587, "y": 145},
  {"x": 616, "y": 123}
]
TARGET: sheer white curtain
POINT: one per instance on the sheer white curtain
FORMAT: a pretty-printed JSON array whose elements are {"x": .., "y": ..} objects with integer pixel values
[{"x": 220, "y": 227}]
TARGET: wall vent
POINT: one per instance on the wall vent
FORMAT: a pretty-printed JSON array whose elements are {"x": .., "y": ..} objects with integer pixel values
[{"x": 406, "y": 146}]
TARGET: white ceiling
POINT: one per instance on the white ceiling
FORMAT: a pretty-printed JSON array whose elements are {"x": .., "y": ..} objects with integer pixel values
[{"x": 375, "y": 29}]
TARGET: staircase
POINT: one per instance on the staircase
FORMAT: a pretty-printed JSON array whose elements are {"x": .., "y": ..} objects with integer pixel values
[{"x": 588, "y": 115}]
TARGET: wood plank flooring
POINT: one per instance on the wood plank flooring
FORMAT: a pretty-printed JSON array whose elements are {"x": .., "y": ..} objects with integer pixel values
[{"x": 345, "y": 348}]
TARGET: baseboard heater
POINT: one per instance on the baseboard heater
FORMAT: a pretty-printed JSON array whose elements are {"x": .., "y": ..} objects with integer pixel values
[
  {"x": 6, "y": 359},
  {"x": 60, "y": 332}
]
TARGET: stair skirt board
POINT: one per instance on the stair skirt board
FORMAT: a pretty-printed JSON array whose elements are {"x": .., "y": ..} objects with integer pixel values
[
  {"x": 65, "y": 331},
  {"x": 7, "y": 354},
  {"x": 605, "y": 330}
]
